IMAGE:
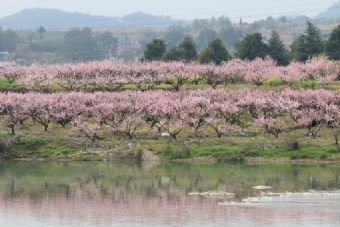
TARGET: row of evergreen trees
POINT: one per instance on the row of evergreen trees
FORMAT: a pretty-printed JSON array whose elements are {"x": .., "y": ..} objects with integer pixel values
[{"x": 308, "y": 45}]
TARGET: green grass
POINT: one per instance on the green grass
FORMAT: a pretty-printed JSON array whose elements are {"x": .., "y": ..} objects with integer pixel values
[
  {"x": 306, "y": 84},
  {"x": 31, "y": 141},
  {"x": 206, "y": 150},
  {"x": 5, "y": 85},
  {"x": 273, "y": 83}
]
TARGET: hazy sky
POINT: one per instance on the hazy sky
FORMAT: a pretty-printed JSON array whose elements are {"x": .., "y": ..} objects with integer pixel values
[{"x": 184, "y": 9}]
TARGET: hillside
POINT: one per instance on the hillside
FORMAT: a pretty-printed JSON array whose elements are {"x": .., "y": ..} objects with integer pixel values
[
  {"x": 331, "y": 13},
  {"x": 58, "y": 19}
]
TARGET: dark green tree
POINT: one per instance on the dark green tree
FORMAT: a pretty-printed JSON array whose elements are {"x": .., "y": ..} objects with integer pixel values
[
  {"x": 187, "y": 50},
  {"x": 215, "y": 53},
  {"x": 333, "y": 44},
  {"x": 155, "y": 50},
  {"x": 308, "y": 45},
  {"x": 251, "y": 47},
  {"x": 172, "y": 54},
  {"x": 277, "y": 49}
]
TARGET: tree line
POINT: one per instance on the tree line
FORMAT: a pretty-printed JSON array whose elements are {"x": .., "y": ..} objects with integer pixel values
[
  {"x": 207, "y": 44},
  {"x": 309, "y": 44},
  {"x": 73, "y": 45}
]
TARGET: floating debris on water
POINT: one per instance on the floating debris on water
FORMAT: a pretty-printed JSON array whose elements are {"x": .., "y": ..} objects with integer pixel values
[
  {"x": 261, "y": 187},
  {"x": 214, "y": 194},
  {"x": 298, "y": 198}
]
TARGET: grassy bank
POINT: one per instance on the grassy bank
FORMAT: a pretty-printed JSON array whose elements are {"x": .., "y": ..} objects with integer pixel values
[
  {"x": 273, "y": 83},
  {"x": 32, "y": 142}
]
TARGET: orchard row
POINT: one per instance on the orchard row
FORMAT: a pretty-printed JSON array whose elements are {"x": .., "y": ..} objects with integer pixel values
[
  {"x": 170, "y": 113},
  {"x": 112, "y": 75}
]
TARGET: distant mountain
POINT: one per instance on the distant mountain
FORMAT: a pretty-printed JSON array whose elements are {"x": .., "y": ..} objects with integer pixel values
[
  {"x": 140, "y": 18},
  {"x": 58, "y": 19},
  {"x": 332, "y": 12}
]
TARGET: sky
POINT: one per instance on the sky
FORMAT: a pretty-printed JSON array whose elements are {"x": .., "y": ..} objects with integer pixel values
[{"x": 249, "y": 10}]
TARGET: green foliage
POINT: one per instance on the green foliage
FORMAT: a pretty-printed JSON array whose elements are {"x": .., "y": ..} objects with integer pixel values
[
  {"x": 215, "y": 53},
  {"x": 333, "y": 44},
  {"x": 6, "y": 85},
  {"x": 169, "y": 153},
  {"x": 155, "y": 50},
  {"x": 274, "y": 81},
  {"x": 309, "y": 44},
  {"x": 206, "y": 150},
  {"x": 251, "y": 47},
  {"x": 277, "y": 50},
  {"x": 185, "y": 51},
  {"x": 173, "y": 54},
  {"x": 195, "y": 80},
  {"x": 306, "y": 84}
]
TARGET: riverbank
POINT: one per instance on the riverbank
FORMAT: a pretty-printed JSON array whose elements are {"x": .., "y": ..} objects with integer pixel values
[
  {"x": 200, "y": 160},
  {"x": 60, "y": 144},
  {"x": 253, "y": 145}
]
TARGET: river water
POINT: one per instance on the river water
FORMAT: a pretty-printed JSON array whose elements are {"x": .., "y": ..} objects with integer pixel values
[{"x": 118, "y": 194}]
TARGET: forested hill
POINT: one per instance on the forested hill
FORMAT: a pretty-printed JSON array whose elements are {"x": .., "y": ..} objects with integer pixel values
[{"x": 58, "y": 19}]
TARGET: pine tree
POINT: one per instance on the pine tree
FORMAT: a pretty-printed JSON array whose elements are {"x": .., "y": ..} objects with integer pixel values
[
  {"x": 309, "y": 44},
  {"x": 215, "y": 52},
  {"x": 333, "y": 44},
  {"x": 251, "y": 47},
  {"x": 277, "y": 50},
  {"x": 172, "y": 54},
  {"x": 187, "y": 50},
  {"x": 154, "y": 50}
]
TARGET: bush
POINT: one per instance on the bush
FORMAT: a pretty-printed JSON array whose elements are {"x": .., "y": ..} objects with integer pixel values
[{"x": 274, "y": 81}]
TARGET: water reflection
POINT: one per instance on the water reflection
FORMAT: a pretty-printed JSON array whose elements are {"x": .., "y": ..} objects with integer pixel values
[{"x": 116, "y": 194}]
